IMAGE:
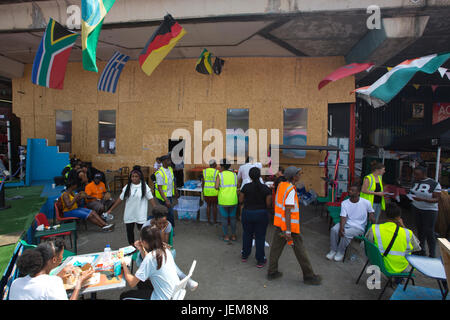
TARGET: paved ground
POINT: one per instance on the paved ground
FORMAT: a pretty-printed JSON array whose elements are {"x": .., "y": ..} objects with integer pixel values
[{"x": 221, "y": 274}]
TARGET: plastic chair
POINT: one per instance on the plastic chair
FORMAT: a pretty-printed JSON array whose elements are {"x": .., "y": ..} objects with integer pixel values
[
  {"x": 180, "y": 290},
  {"x": 66, "y": 253},
  {"x": 42, "y": 219},
  {"x": 375, "y": 258},
  {"x": 60, "y": 217}
]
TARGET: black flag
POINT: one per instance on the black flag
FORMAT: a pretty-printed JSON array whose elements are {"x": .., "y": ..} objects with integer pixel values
[{"x": 218, "y": 64}]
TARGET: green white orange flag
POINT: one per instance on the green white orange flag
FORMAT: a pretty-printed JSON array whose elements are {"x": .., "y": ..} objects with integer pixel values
[
  {"x": 382, "y": 91},
  {"x": 93, "y": 13}
]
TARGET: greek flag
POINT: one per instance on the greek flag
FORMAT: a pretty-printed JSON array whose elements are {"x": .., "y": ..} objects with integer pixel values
[{"x": 110, "y": 75}]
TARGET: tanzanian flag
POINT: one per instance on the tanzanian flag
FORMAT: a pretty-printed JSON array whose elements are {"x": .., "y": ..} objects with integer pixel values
[
  {"x": 204, "y": 63},
  {"x": 50, "y": 62},
  {"x": 93, "y": 13},
  {"x": 159, "y": 45}
]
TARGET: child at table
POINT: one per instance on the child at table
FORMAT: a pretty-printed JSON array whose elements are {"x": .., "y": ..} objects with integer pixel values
[
  {"x": 158, "y": 266},
  {"x": 37, "y": 283}
]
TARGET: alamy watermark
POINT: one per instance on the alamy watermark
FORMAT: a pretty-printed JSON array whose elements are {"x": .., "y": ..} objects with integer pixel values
[{"x": 235, "y": 142}]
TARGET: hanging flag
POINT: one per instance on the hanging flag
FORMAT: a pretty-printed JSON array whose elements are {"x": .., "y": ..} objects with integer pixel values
[
  {"x": 434, "y": 87},
  {"x": 218, "y": 65},
  {"x": 389, "y": 68},
  {"x": 50, "y": 62},
  {"x": 93, "y": 13},
  {"x": 389, "y": 85},
  {"x": 442, "y": 71},
  {"x": 344, "y": 71},
  {"x": 203, "y": 65},
  {"x": 417, "y": 86},
  {"x": 110, "y": 75},
  {"x": 160, "y": 43}
]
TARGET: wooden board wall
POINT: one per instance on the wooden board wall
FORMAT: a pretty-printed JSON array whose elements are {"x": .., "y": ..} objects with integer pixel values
[{"x": 149, "y": 109}]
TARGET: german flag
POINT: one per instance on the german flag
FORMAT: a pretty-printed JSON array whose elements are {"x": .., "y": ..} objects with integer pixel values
[
  {"x": 161, "y": 42},
  {"x": 204, "y": 63}
]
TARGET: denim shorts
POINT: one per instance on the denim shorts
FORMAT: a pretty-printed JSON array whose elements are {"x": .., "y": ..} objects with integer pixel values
[{"x": 82, "y": 213}]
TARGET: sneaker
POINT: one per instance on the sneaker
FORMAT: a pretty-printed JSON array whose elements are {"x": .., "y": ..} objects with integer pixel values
[
  {"x": 314, "y": 280},
  {"x": 339, "y": 257},
  {"x": 261, "y": 264},
  {"x": 243, "y": 259},
  {"x": 273, "y": 276},
  {"x": 192, "y": 285},
  {"x": 108, "y": 228},
  {"x": 107, "y": 217},
  {"x": 331, "y": 255}
]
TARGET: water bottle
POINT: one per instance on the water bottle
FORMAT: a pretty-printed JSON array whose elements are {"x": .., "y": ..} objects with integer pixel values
[{"x": 107, "y": 255}]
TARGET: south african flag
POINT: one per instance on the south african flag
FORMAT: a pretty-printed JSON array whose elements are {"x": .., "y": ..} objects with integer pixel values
[{"x": 50, "y": 62}]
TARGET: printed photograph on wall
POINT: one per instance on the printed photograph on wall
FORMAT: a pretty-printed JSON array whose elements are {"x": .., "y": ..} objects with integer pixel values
[
  {"x": 295, "y": 123},
  {"x": 236, "y": 134},
  {"x": 64, "y": 130},
  {"x": 418, "y": 110}
]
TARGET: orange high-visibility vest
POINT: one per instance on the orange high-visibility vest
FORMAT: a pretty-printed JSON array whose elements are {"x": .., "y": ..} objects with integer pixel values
[{"x": 280, "y": 199}]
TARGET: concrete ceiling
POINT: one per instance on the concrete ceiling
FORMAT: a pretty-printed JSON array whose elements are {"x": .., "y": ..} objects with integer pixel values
[{"x": 300, "y": 34}]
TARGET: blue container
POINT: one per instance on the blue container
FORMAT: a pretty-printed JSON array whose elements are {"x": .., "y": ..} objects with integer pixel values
[{"x": 117, "y": 268}]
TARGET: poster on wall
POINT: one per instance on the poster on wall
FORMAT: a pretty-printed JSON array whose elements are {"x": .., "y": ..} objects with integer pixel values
[
  {"x": 295, "y": 123},
  {"x": 237, "y": 134},
  {"x": 418, "y": 110},
  {"x": 441, "y": 111}
]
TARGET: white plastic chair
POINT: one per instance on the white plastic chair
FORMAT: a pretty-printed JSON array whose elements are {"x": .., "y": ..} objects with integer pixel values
[{"x": 180, "y": 290}]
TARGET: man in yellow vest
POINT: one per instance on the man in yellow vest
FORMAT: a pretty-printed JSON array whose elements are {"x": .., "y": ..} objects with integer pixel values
[
  {"x": 287, "y": 229},
  {"x": 209, "y": 190},
  {"x": 404, "y": 243},
  {"x": 226, "y": 184},
  {"x": 165, "y": 186}
]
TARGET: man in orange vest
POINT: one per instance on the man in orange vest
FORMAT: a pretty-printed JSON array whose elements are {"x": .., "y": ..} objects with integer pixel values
[{"x": 287, "y": 229}]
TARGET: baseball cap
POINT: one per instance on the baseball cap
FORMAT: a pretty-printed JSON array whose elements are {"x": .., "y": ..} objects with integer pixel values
[
  {"x": 98, "y": 175},
  {"x": 164, "y": 157},
  {"x": 291, "y": 171}
]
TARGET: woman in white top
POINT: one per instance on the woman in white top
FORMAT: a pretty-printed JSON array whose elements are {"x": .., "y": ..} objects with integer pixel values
[
  {"x": 37, "y": 284},
  {"x": 158, "y": 266},
  {"x": 137, "y": 194}
]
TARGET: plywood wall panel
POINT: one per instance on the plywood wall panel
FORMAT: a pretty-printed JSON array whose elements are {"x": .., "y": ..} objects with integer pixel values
[{"x": 149, "y": 109}]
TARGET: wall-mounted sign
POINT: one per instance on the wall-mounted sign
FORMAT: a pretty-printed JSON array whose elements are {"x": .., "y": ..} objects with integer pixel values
[{"x": 441, "y": 111}]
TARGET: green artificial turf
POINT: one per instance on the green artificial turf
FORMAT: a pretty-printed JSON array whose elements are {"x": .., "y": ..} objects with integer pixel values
[
  {"x": 21, "y": 214},
  {"x": 6, "y": 253},
  {"x": 18, "y": 218}
]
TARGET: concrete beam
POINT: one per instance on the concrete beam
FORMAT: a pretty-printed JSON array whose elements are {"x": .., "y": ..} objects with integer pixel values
[
  {"x": 10, "y": 69},
  {"x": 27, "y": 16},
  {"x": 396, "y": 34}
]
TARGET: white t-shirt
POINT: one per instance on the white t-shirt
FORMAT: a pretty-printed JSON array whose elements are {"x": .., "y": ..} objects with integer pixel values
[
  {"x": 157, "y": 165},
  {"x": 424, "y": 189},
  {"x": 244, "y": 170},
  {"x": 356, "y": 213},
  {"x": 43, "y": 287},
  {"x": 136, "y": 207},
  {"x": 290, "y": 199},
  {"x": 160, "y": 181},
  {"x": 163, "y": 280}
]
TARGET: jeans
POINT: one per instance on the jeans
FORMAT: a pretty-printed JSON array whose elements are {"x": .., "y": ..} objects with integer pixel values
[
  {"x": 377, "y": 209},
  {"x": 425, "y": 223},
  {"x": 170, "y": 215},
  {"x": 254, "y": 223},
  {"x": 338, "y": 244},
  {"x": 278, "y": 244},
  {"x": 225, "y": 213}
]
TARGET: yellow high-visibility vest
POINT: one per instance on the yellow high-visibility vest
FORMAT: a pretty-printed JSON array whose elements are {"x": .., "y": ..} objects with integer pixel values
[
  {"x": 372, "y": 187},
  {"x": 166, "y": 182},
  {"x": 395, "y": 260},
  {"x": 209, "y": 178},
  {"x": 227, "y": 195}
]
